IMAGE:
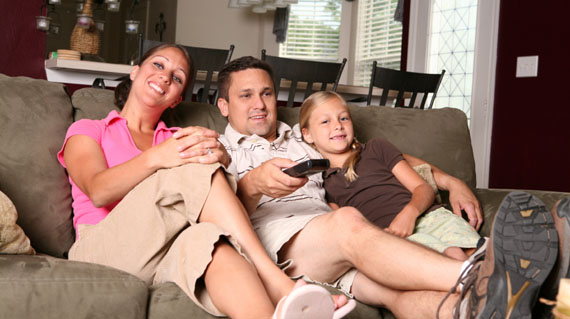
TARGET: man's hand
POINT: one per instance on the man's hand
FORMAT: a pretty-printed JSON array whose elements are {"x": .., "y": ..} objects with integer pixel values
[
  {"x": 461, "y": 198},
  {"x": 268, "y": 179}
]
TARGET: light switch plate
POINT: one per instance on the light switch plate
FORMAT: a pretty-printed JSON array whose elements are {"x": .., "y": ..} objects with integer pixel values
[{"x": 527, "y": 66}]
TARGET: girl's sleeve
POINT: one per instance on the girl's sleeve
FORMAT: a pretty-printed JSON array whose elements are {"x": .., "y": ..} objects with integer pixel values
[
  {"x": 385, "y": 151},
  {"x": 90, "y": 128}
]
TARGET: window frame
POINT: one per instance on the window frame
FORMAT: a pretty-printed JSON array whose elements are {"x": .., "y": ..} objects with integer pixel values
[{"x": 347, "y": 39}]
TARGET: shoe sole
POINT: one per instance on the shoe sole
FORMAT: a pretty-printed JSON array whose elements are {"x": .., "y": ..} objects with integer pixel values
[{"x": 525, "y": 247}]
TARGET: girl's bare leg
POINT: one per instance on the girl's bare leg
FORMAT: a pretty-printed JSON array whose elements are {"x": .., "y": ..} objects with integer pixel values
[{"x": 455, "y": 253}]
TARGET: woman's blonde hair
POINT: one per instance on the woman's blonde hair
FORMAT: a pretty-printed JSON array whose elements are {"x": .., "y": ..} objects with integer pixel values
[{"x": 307, "y": 108}]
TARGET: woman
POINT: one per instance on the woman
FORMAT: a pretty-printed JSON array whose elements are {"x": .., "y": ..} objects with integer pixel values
[{"x": 153, "y": 201}]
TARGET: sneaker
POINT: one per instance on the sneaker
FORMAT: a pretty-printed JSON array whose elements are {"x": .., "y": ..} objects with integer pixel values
[
  {"x": 523, "y": 249},
  {"x": 479, "y": 250},
  {"x": 561, "y": 216}
]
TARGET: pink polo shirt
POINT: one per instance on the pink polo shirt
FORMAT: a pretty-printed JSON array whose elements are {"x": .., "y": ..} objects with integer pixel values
[{"x": 118, "y": 147}]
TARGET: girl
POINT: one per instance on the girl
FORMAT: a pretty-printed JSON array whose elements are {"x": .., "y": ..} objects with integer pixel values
[
  {"x": 375, "y": 179},
  {"x": 153, "y": 201}
]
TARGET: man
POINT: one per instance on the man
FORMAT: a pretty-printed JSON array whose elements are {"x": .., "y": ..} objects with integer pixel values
[{"x": 340, "y": 247}]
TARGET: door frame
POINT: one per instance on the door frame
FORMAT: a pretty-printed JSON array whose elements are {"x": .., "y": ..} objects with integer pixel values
[{"x": 483, "y": 93}]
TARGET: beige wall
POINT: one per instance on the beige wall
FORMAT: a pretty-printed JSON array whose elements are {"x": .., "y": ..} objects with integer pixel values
[
  {"x": 168, "y": 9},
  {"x": 210, "y": 23}
]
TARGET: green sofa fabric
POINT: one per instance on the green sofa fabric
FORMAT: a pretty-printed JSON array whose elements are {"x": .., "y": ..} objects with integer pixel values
[
  {"x": 34, "y": 116},
  {"x": 49, "y": 287}
]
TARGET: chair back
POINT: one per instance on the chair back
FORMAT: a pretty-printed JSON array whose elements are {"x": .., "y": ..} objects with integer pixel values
[
  {"x": 403, "y": 81},
  {"x": 206, "y": 60},
  {"x": 305, "y": 71}
]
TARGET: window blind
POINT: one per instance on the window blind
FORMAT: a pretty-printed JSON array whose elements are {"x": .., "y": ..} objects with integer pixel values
[
  {"x": 378, "y": 38},
  {"x": 314, "y": 31}
]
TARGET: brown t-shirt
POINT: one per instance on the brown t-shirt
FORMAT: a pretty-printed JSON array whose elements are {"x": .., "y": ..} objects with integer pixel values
[{"x": 376, "y": 192}]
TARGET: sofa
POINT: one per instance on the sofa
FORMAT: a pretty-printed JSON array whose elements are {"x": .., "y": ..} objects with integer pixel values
[{"x": 41, "y": 283}]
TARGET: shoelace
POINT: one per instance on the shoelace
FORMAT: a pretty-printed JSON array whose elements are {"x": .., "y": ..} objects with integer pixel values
[{"x": 468, "y": 277}]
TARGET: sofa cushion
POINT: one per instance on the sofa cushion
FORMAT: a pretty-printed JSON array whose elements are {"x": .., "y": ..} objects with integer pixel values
[
  {"x": 12, "y": 237},
  {"x": 92, "y": 103},
  {"x": 424, "y": 170},
  {"x": 95, "y": 103},
  {"x": 195, "y": 114},
  {"x": 167, "y": 300},
  {"x": 34, "y": 116},
  {"x": 48, "y": 287}
]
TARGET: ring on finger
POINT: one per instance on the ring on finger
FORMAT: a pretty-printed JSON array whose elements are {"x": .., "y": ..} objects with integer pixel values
[{"x": 209, "y": 150}]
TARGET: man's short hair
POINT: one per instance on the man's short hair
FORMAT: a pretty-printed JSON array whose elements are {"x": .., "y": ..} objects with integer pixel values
[{"x": 239, "y": 64}]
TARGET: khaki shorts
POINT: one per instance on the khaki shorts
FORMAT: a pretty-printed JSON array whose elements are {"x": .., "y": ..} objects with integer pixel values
[
  {"x": 277, "y": 233},
  {"x": 441, "y": 229},
  {"x": 153, "y": 234}
]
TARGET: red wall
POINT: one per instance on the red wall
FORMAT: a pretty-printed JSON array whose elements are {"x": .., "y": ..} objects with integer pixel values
[
  {"x": 22, "y": 46},
  {"x": 530, "y": 146}
]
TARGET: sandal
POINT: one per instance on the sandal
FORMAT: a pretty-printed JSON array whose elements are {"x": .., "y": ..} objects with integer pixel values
[{"x": 311, "y": 302}]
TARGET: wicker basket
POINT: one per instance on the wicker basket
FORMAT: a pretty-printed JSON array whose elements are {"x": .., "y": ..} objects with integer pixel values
[{"x": 86, "y": 40}]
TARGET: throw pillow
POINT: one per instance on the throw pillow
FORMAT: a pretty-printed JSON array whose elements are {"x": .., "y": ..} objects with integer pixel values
[
  {"x": 12, "y": 237},
  {"x": 425, "y": 172},
  {"x": 92, "y": 103}
]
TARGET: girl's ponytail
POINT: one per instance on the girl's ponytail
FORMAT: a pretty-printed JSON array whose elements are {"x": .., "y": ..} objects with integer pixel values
[{"x": 350, "y": 164}]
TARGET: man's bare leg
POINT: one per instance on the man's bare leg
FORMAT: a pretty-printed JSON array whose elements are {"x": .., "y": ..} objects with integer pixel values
[
  {"x": 403, "y": 304},
  {"x": 331, "y": 244}
]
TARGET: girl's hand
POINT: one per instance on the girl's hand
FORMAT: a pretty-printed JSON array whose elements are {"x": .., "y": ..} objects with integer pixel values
[{"x": 403, "y": 225}]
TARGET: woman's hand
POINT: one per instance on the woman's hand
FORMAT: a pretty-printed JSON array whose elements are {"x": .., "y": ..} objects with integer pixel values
[{"x": 200, "y": 145}]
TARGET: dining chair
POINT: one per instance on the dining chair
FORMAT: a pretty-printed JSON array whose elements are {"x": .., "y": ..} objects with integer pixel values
[
  {"x": 205, "y": 60},
  {"x": 304, "y": 71},
  {"x": 404, "y": 82}
]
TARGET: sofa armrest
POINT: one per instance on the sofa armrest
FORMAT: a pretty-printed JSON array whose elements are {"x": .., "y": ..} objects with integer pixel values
[{"x": 490, "y": 200}]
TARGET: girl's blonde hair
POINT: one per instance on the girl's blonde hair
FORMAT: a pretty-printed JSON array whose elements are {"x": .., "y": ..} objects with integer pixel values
[{"x": 307, "y": 108}]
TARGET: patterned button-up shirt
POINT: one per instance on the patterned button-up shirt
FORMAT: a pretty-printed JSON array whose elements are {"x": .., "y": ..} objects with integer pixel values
[{"x": 249, "y": 152}]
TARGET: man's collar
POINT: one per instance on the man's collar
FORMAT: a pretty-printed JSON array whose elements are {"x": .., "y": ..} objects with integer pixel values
[{"x": 235, "y": 137}]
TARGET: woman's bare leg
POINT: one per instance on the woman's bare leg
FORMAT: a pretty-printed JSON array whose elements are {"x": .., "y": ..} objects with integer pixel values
[
  {"x": 234, "y": 287},
  {"x": 230, "y": 215}
]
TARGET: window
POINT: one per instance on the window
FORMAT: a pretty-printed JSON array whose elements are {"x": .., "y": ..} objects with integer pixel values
[
  {"x": 313, "y": 31},
  {"x": 452, "y": 47},
  {"x": 378, "y": 38}
]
